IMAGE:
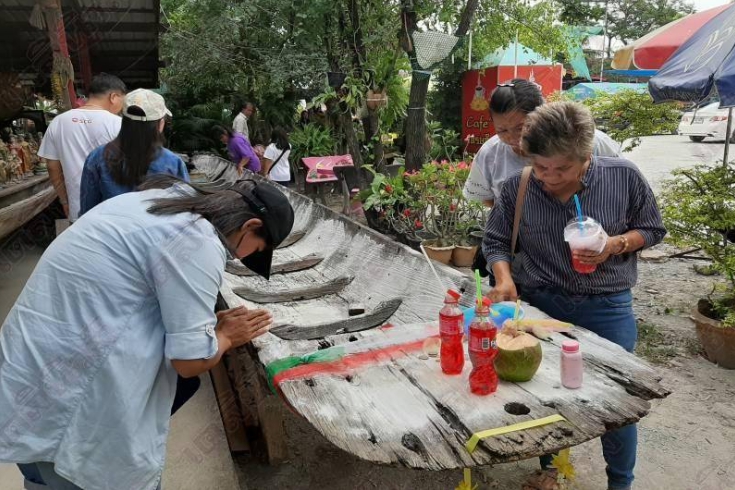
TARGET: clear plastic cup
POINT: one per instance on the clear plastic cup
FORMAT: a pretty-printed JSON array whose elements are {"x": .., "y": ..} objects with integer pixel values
[{"x": 587, "y": 235}]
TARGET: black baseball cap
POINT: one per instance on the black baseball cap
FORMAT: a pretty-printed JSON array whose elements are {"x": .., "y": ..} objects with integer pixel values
[{"x": 271, "y": 206}]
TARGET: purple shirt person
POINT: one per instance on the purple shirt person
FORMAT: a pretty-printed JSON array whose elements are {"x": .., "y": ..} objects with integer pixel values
[{"x": 239, "y": 149}]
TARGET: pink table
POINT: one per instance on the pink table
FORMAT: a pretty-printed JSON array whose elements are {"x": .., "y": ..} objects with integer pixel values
[{"x": 320, "y": 169}]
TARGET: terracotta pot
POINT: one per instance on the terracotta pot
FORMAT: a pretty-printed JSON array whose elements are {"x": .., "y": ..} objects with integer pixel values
[
  {"x": 718, "y": 341},
  {"x": 440, "y": 254},
  {"x": 376, "y": 100},
  {"x": 464, "y": 256}
]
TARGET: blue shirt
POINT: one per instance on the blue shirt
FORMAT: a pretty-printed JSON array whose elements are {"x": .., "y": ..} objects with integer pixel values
[
  {"x": 614, "y": 193},
  {"x": 86, "y": 380},
  {"x": 98, "y": 184}
]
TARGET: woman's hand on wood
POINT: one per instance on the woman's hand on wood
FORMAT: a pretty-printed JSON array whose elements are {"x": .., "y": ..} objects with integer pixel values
[
  {"x": 503, "y": 291},
  {"x": 240, "y": 325}
]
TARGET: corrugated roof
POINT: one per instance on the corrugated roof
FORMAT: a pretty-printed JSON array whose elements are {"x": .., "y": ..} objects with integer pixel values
[{"x": 123, "y": 40}]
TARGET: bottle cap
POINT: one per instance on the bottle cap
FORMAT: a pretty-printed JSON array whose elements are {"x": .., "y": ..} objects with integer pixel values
[
  {"x": 486, "y": 302},
  {"x": 454, "y": 294},
  {"x": 570, "y": 346}
]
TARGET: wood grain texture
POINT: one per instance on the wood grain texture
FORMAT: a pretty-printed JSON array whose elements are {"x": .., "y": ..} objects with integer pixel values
[
  {"x": 237, "y": 268},
  {"x": 403, "y": 410},
  {"x": 357, "y": 323},
  {"x": 15, "y": 215},
  {"x": 267, "y": 295}
]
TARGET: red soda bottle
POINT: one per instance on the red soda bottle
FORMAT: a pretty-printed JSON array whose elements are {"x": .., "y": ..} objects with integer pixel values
[
  {"x": 451, "y": 327},
  {"x": 483, "y": 348}
]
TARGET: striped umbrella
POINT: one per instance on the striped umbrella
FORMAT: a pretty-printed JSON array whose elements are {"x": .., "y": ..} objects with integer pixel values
[{"x": 652, "y": 50}]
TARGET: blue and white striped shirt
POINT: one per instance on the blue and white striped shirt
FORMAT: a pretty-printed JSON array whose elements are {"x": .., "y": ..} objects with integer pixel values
[{"x": 615, "y": 194}]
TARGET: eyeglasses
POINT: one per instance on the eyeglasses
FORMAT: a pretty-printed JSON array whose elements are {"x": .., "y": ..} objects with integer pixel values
[{"x": 507, "y": 85}]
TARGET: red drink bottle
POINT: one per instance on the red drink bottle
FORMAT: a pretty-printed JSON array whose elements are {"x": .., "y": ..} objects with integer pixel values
[
  {"x": 451, "y": 323},
  {"x": 483, "y": 348}
]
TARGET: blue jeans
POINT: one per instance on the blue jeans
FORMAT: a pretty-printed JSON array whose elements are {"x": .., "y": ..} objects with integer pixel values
[{"x": 611, "y": 317}]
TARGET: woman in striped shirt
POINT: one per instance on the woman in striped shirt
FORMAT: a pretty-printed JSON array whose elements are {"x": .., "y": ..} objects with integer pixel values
[{"x": 559, "y": 139}]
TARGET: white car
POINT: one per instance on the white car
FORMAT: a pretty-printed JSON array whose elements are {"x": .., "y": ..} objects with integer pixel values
[{"x": 707, "y": 121}]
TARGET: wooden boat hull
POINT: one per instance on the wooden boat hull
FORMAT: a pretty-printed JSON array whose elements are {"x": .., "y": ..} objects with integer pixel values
[
  {"x": 19, "y": 203},
  {"x": 392, "y": 404}
]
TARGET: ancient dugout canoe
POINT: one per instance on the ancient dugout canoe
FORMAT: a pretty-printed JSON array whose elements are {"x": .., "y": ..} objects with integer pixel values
[
  {"x": 20, "y": 202},
  {"x": 392, "y": 405}
]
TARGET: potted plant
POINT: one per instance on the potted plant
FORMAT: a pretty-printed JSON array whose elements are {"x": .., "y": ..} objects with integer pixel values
[
  {"x": 699, "y": 211},
  {"x": 382, "y": 200},
  {"x": 466, "y": 244}
]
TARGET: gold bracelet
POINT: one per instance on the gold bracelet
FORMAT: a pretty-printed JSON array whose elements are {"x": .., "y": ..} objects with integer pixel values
[{"x": 625, "y": 245}]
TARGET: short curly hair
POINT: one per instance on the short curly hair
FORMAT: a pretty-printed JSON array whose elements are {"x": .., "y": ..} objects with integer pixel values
[{"x": 559, "y": 128}]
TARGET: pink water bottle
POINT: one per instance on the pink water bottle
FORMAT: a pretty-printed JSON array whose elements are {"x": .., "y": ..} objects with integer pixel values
[
  {"x": 571, "y": 364},
  {"x": 483, "y": 348}
]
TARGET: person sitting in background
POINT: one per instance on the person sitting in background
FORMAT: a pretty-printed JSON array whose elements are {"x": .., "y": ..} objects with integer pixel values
[
  {"x": 241, "y": 153},
  {"x": 75, "y": 133},
  {"x": 501, "y": 157},
  {"x": 121, "y": 165},
  {"x": 240, "y": 123},
  {"x": 276, "y": 165}
]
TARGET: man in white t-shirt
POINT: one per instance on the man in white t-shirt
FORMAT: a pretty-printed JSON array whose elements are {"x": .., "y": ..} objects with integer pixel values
[
  {"x": 71, "y": 136},
  {"x": 240, "y": 123}
]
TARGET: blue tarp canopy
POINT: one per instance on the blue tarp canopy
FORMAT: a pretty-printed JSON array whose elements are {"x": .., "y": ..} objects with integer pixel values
[
  {"x": 703, "y": 63},
  {"x": 507, "y": 57},
  {"x": 586, "y": 90},
  {"x": 632, "y": 73}
]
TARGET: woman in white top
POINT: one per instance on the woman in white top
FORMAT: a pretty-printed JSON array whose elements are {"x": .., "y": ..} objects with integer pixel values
[
  {"x": 500, "y": 158},
  {"x": 275, "y": 159}
]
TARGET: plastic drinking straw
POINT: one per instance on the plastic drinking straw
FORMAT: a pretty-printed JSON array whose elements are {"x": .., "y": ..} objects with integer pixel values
[
  {"x": 518, "y": 310},
  {"x": 478, "y": 282},
  {"x": 579, "y": 211},
  {"x": 442, "y": 288}
]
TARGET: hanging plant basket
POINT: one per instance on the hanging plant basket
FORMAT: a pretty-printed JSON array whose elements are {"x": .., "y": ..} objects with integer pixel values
[
  {"x": 336, "y": 79},
  {"x": 376, "y": 100}
]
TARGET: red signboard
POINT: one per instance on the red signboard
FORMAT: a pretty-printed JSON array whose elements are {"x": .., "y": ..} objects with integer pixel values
[{"x": 477, "y": 85}]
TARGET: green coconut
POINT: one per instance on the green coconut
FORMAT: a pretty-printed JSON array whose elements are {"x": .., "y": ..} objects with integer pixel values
[{"x": 519, "y": 355}]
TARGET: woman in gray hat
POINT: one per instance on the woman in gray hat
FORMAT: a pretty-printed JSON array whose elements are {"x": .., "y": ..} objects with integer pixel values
[{"x": 117, "y": 306}]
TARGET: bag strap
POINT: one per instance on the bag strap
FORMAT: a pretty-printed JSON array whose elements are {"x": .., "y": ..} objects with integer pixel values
[
  {"x": 277, "y": 160},
  {"x": 520, "y": 199}
]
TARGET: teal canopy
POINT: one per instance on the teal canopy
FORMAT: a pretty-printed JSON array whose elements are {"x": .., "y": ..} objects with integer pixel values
[
  {"x": 586, "y": 90},
  {"x": 507, "y": 57},
  {"x": 575, "y": 37}
]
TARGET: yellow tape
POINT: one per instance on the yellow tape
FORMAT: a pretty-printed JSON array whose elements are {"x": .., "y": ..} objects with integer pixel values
[{"x": 478, "y": 436}]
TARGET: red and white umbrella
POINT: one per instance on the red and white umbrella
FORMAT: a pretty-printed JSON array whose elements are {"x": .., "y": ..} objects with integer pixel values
[{"x": 652, "y": 50}]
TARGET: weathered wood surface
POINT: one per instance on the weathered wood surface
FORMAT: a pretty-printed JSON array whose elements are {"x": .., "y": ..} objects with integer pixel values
[
  {"x": 402, "y": 410},
  {"x": 264, "y": 294},
  {"x": 292, "y": 238},
  {"x": 356, "y": 323},
  {"x": 237, "y": 268},
  {"x": 16, "y": 213}
]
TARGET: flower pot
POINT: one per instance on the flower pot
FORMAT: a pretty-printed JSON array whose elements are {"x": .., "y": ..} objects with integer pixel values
[
  {"x": 718, "y": 341},
  {"x": 440, "y": 254},
  {"x": 376, "y": 100},
  {"x": 336, "y": 79},
  {"x": 464, "y": 256}
]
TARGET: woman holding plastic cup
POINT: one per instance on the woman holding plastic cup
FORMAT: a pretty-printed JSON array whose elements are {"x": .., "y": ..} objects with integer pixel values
[{"x": 589, "y": 286}]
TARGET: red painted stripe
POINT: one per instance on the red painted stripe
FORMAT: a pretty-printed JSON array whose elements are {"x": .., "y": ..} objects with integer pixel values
[{"x": 349, "y": 363}]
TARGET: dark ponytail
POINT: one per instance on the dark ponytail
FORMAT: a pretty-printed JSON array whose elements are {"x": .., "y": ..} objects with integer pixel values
[
  {"x": 517, "y": 95},
  {"x": 224, "y": 208},
  {"x": 129, "y": 156}
]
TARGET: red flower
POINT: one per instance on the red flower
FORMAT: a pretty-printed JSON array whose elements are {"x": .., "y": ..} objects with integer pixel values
[
  {"x": 388, "y": 188},
  {"x": 452, "y": 207},
  {"x": 406, "y": 213},
  {"x": 462, "y": 166},
  {"x": 418, "y": 224}
]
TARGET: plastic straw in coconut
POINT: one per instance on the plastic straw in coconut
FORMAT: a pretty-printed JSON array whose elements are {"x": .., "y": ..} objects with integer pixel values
[
  {"x": 518, "y": 310},
  {"x": 442, "y": 288}
]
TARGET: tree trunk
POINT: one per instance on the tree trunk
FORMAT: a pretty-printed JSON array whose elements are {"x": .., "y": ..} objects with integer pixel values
[
  {"x": 416, "y": 147},
  {"x": 416, "y": 122}
]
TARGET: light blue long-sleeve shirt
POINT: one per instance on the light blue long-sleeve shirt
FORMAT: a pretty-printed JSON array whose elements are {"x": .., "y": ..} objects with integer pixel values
[{"x": 86, "y": 380}]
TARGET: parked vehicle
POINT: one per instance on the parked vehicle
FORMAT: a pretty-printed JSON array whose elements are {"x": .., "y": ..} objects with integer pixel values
[{"x": 708, "y": 121}]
